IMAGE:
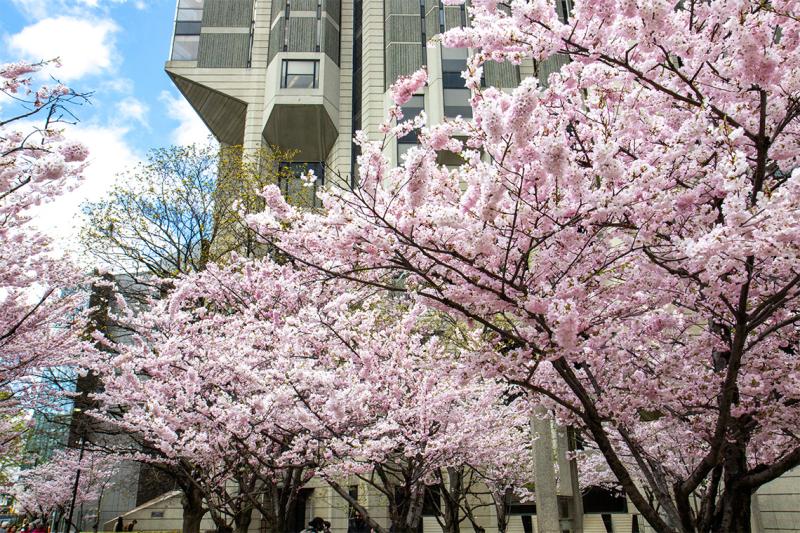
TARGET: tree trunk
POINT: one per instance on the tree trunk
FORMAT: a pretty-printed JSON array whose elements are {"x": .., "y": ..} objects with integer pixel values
[
  {"x": 734, "y": 512},
  {"x": 501, "y": 510},
  {"x": 193, "y": 511},
  {"x": 243, "y": 519},
  {"x": 451, "y": 495},
  {"x": 342, "y": 491},
  {"x": 734, "y": 504}
]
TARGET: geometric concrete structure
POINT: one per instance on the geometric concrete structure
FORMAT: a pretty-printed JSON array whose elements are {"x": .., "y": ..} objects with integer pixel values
[{"x": 303, "y": 75}]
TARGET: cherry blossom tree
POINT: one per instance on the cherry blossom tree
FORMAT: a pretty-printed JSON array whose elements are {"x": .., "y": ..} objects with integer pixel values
[
  {"x": 260, "y": 377},
  {"x": 39, "y": 322},
  {"x": 51, "y": 486},
  {"x": 626, "y": 236},
  {"x": 184, "y": 387}
]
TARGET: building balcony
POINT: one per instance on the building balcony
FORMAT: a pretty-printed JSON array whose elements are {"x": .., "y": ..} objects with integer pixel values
[{"x": 302, "y": 104}]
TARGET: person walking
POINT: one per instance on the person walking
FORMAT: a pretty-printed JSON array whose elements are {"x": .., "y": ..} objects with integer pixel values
[
  {"x": 357, "y": 524},
  {"x": 317, "y": 525},
  {"x": 131, "y": 526},
  {"x": 120, "y": 526}
]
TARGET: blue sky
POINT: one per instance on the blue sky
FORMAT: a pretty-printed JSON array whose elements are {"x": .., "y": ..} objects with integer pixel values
[{"x": 115, "y": 49}]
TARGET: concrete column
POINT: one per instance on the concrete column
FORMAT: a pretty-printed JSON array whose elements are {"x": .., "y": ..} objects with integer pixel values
[
  {"x": 546, "y": 490},
  {"x": 568, "y": 479},
  {"x": 756, "y": 522}
]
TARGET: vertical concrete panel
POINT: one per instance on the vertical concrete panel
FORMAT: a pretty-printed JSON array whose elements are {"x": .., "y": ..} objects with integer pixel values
[
  {"x": 333, "y": 8},
  {"x": 501, "y": 74},
  {"x": 402, "y": 59},
  {"x": 276, "y": 40},
  {"x": 550, "y": 65},
  {"x": 403, "y": 28},
  {"x": 302, "y": 34},
  {"x": 431, "y": 18},
  {"x": 261, "y": 24},
  {"x": 339, "y": 158},
  {"x": 330, "y": 40},
  {"x": 278, "y": 7},
  {"x": 372, "y": 82},
  {"x": 452, "y": 17},
  {"x": 227, "y": 13},
  {"x": 778, "y": 503},
  {"x": 303, "y": 5},
  {"x": 547, "y": 513},
  {"x": 402, "y": 7},
  {"x": 223, "y": 50}
]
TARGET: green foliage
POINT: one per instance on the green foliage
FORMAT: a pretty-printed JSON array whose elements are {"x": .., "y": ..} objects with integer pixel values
[{"x": 181, "y": 209}]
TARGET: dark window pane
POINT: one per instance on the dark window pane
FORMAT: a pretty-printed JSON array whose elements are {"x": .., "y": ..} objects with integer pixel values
[
  {"x": 403, "y": 148},
  {"x": 600, "y": 500},
  {"x": 187, "y": 28},
  {"x": 452, "y": 80},
  {"x": 184, "y": 48},
  {"x": 456, "y": 102},
  {"x": 411, "y": 109}
]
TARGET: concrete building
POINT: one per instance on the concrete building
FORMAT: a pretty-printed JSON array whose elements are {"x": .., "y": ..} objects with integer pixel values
[{"x": 255, "y": 70}]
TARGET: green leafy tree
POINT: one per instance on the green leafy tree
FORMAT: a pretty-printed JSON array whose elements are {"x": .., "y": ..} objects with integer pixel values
[{"x": 181, "y": 209}]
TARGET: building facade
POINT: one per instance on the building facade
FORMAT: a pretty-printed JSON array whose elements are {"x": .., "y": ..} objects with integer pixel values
[{"x": 304, "y": 75}]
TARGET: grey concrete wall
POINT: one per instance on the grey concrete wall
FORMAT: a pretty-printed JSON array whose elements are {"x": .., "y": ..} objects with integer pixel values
[
  {"x": 403, "y": 38},
  {"x": 305, "y": 30},
  {"x": 501, "y": 74},
  {"x": 227, "y": 13},
  {"x": 223, "y": 50},
  {"x": 302, "y": 34},
  {"x": 548, "y": 66},
  {"x": 778, "y": 504}
]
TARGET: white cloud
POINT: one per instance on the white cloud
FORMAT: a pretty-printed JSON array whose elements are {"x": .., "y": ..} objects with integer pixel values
[
  {"x": 109, "y": 154},
  {"x": 85, "y": 46},
  {"x": 36, "y": 9},
  {"x": 40, "y": 9},
  {"x": 132, "y": 109},
  {"x": 117, "y": 85},
  {"x": 190, "y": 128}
]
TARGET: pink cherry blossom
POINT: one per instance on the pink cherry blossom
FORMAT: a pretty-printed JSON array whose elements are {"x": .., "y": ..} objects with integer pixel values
[{"x": 626, "y": 237}]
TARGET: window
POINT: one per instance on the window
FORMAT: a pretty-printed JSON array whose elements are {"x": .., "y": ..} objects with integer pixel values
[
  {"x": 291, "y": 180},
  {"x": 299, "y": 74},
  {"x": 564, "y": 9},
  {"x": 456, "y": 102},
  {"x": 411, "y": 109},
  {"x": 432, "y": 502},
  {"x": 456, "y": 95},
  {"x": 454, "y": 62},
  {"x": 190, "y": 15},
  {"x": 184, "y": 47},
  {"x": 187, "y": 30},
  {"x": 352, "y": 491}
]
